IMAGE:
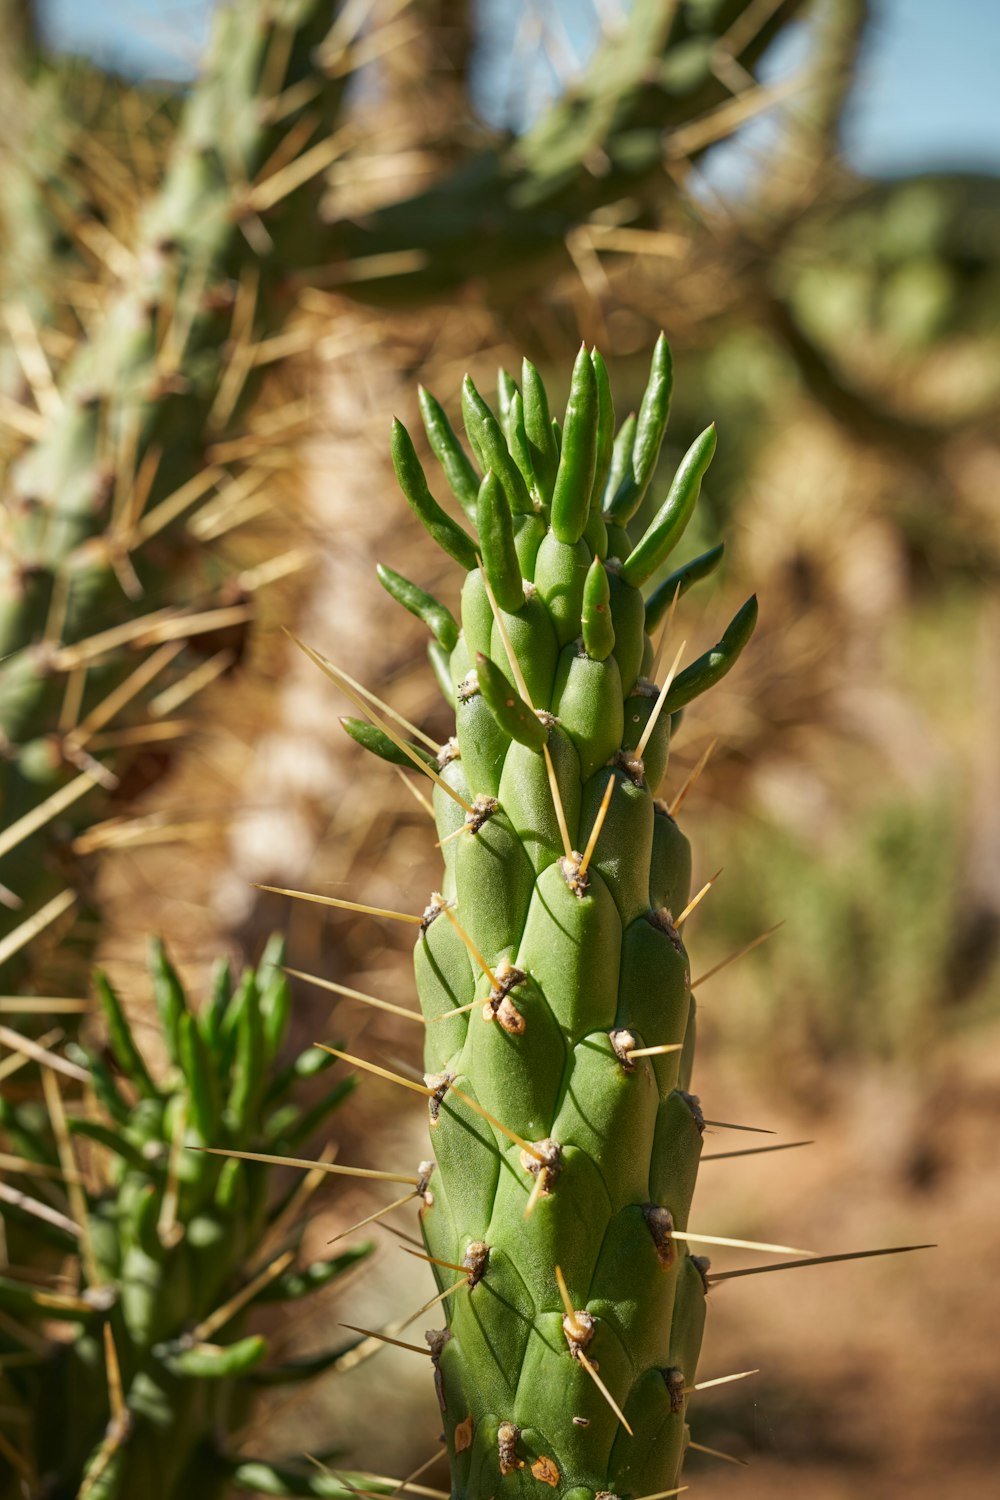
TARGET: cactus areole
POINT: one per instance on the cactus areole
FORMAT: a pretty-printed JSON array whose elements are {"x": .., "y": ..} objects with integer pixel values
[{"x": 550, "y": 968}]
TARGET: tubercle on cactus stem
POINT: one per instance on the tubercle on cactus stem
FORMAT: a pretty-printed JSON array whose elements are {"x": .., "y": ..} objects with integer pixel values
[{"x": 578, "y": 1327}]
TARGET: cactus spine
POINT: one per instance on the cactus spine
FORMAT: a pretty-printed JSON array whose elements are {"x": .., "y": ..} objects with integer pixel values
[
  {"x": 550, "y": 968},
  {"x": 173, "y": 1246}
]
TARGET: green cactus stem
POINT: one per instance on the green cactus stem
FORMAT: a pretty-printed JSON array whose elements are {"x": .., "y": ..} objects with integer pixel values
[{"x": 551, "y": 970}]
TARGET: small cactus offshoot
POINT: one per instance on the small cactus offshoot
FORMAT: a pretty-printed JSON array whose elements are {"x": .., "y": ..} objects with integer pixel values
[{"x": 160, "y": 1249}]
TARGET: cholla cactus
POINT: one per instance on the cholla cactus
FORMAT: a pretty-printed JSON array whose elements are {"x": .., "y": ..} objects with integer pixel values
[
  {"x": 553, "y": 977},
  {"x": 552, "y": 967},
  {"x": 173, "y": 1247}
]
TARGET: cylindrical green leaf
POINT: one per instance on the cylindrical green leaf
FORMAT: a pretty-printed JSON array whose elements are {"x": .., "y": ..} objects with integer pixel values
[
  {"x": 713, "y": 666},
  {"x": 650, "y": 427},
  {"x": 278, "y": 1126},
  {"x": 169, "y": 996},
  {"x": 123, "y": 1044},
  {"x": 308, "y": 1064},
  {"x": 506, "y": 391},
  {"x": 458, "y": 470},
  {"x": 538, "y": 426},
  {"x": 231, "y": 1192},
  {"x": 578, "y": 460},
  {"x": 271, "y": 1479},
  {"x": 275, "y": 993},
  {"x": 598, "y": 629},
  {"x": 243, "y": 995},
  {"x": 605, "y": 427},
  {"x": 28, "y": 1301},
  {"x": 508, "y": 707},
  {"x": 293, "y": 1371},
  {"x": 111, "y": 1140},
  {"x": 496, "y": 540},
  {"x": 678, "y": 583},
  {"x": 490, "y": 447},
  {"x": 436, "y": 616},
  {"x": 520, "y": 448},
  {"x": 313, "y": 1119},
  {"x": 103, "y": 1080},
  {"x": 621, "y": 458},
  {"x": 667, "y": 526},
  {"x": 221, "y": 989},
  {"x": 217, "y": 1361},
  {"x": 199, "y": 1073},
  {"x": 370, "y": 737},
  {"x": 413, "y": 482},
  {"x": 292, "y": 1285},
  {"x": 248, "y": 1077}
]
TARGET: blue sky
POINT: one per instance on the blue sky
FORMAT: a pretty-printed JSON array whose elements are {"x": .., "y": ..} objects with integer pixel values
[
  {"x": 928, "y": 95},
  {"x": 929, "y": 90}
]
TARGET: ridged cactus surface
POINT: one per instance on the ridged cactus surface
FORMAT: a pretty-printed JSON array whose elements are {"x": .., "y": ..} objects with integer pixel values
[
  {"x": 162, "y": 1249},
  {"x": 550, "y": 963}
]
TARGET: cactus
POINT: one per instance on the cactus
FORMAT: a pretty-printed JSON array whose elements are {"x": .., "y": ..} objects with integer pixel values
[
  {"x": 174, "y": 1246},
  {"x": 64, "y": 225},
  {"x": 553, "y": 977},
  {"x": 147, "y": 422},
  {"x": 555, "y": 982}
]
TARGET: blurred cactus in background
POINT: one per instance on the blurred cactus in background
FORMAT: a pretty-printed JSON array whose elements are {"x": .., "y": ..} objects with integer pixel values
[
  {"x": 653, "y": 96},
  {"x": 103, "y": 582}
]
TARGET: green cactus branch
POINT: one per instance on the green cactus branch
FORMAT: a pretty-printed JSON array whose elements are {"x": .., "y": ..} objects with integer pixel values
[
  {"x": 555, "y": 983},
  {"x": 551, "y": 963},
  {"x": 69, "y": 193}
]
